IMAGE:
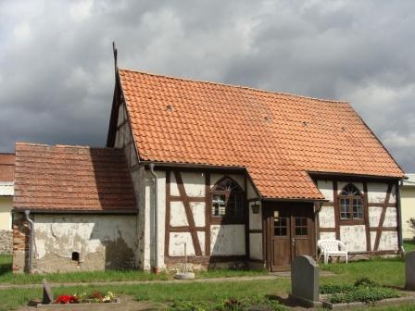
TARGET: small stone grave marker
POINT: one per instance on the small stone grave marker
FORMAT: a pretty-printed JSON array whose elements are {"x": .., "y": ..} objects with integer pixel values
[
  {"x": 305, "y": 281},
  {"x": 410, "y": 271},
  {"x": 47, "y": 293}
]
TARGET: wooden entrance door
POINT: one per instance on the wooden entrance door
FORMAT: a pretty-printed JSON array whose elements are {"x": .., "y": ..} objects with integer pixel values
[{"x": 290, "y": 233}]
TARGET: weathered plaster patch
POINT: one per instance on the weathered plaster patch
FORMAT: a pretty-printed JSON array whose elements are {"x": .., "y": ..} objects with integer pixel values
[
  {"x": 198, "y": 211},
  {"x": 377, "y": 193},
  {"x": 374, "y": 215},
  {"x": 388, "y": 241},
  {"x": 326, "y": 217},
  {"x": 227, "y": 240},
  {"x": 178, "y": 214},
  {"x": 255, "y": 245},
  {"x": 111, "y": 237},
  {"x": 327, "y": 235},
  {"x": 390, "y": 217},
  {"x": 194, "y": 184},
  {"x": 177, "y": 244},
  {"x": 326, "y": 189},
  {"x": 354, "y": 237}
]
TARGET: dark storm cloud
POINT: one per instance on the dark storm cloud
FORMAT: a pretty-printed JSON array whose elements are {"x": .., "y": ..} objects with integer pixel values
[{"x": 57, "y": 75}]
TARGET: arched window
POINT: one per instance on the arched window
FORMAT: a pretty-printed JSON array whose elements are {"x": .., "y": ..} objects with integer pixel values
[
  {"x": 351, "y": 203},
  {"x": 227, "y": 199}
]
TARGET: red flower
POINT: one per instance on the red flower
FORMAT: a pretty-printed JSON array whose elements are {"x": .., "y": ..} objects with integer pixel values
[{"x": 66, "y": 299}]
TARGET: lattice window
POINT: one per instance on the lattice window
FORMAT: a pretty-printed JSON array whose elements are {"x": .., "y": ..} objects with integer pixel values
[
  {"x": 227, "y": 199},
  {"x": 351, "y": 203}
]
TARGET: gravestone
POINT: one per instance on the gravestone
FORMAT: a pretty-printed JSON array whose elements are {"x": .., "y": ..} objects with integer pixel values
[
  {"x": 47, "y": 293},
  {"x": 410, "y": 271},
  {"x": 305, "y": 281}
]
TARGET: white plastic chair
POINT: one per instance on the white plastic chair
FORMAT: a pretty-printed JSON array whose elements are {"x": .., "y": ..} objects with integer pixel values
[{"x": 332, "y": 248}]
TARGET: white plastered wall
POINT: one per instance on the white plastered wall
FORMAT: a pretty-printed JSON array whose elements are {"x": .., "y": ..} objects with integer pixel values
[
  {"x": 101, "y": 241},
  {"x": 408, "y": 210},
  {"x": 6, "y": 206}
]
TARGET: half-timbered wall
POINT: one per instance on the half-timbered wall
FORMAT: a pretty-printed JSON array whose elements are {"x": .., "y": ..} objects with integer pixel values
[
  {"x": 377, "y": 231},
  {"x": 189, "y": 222},
  {"x": 256, "y": 242}
]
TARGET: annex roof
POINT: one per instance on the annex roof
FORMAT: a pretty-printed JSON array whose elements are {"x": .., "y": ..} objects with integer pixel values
[
  {"x": 6, "y": 167},
  {"x": 409, "y": 180},
  {"x": 72, "y": 178},
  {"x": 279, "y": 138}
]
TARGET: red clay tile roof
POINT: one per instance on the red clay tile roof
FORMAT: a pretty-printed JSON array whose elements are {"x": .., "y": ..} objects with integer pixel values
[
  {"x": 279, "y": 138},
  {"x": 72, "y": 178},
  {"x": 6, "y": 167}
]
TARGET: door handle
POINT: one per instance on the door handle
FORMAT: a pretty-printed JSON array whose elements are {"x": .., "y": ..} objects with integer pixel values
[{"x": 293, "y": 242}]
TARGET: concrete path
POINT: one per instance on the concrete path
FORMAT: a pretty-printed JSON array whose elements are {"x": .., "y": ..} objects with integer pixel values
[{"x": 212, "y": 280}]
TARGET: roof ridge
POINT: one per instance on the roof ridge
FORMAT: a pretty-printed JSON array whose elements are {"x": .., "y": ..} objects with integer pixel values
[
  {"x": 239, "y": 86},
  {"x": 65, "y": 146}
]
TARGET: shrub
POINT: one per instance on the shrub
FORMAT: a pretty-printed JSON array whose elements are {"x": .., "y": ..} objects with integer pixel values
[
  {"x": 230, "y": 304},
  {"x": 332, "y": 289},
  {"x": 411, "y": 223},
  {"x": 365, "y": 282},
  {"x": 364, "y": 294}
]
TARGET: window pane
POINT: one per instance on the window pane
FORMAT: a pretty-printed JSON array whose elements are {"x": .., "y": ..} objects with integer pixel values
[
  {"x": 218, "y": 205},
  {"x": 227, "y": 199},
  {"x": 301, "y": 226},
  {"x": 280, "y": 226},
  {"x": 344, "y": 209},
  {"x": 357, "y": 208}
]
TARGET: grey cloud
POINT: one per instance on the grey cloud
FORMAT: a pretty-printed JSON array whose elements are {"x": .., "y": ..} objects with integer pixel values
[{"x": 57, "y": 75}]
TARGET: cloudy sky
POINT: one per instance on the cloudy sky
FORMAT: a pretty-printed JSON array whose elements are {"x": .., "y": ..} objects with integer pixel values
[{"x": 57, "y": 74}]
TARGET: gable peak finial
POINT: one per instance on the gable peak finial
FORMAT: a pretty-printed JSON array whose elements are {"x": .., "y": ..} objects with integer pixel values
[{"x": 115, "y": 51}]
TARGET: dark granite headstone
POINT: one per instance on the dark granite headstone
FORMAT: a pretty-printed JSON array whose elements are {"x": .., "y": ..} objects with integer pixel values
[
  {"x": 47, "y": 293},
  {"x": 410, "y": 271},
  {"x": 305, "y": 281}
]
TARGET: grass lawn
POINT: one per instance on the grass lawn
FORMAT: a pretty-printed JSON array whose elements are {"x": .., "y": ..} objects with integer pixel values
[
  {"x": 6, "y": 276},
  {"x": 409, "y": 245},
  {"x": 385, "y": 271}
]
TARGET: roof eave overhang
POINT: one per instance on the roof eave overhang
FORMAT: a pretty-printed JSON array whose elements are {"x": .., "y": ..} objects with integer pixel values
[
  {"x": 353, "y": 175},
  {"x": 300, "y": 200},
  {"x": 193, "y": 165}
]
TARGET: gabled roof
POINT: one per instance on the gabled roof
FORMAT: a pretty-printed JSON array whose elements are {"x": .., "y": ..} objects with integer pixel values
[
  {"x": 278, "y": 138},
  {"x": 6, "y": 167},
  {"x": 72, "y": 178}
]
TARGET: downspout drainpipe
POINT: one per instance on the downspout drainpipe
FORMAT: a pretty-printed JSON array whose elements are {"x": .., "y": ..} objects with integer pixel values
[
  {"x": 399, "y": 217},
  {"x": 32, "y": 229},
  {"x": 156, "y": 255}
]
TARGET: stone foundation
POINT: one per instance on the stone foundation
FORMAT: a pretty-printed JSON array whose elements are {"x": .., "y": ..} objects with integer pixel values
[{"x": 6, "y": 242}]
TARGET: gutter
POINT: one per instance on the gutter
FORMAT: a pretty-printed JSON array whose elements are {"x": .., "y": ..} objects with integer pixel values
[
  {"x": 156, "y": 261},
  {"x": 32, "y": 229}
]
